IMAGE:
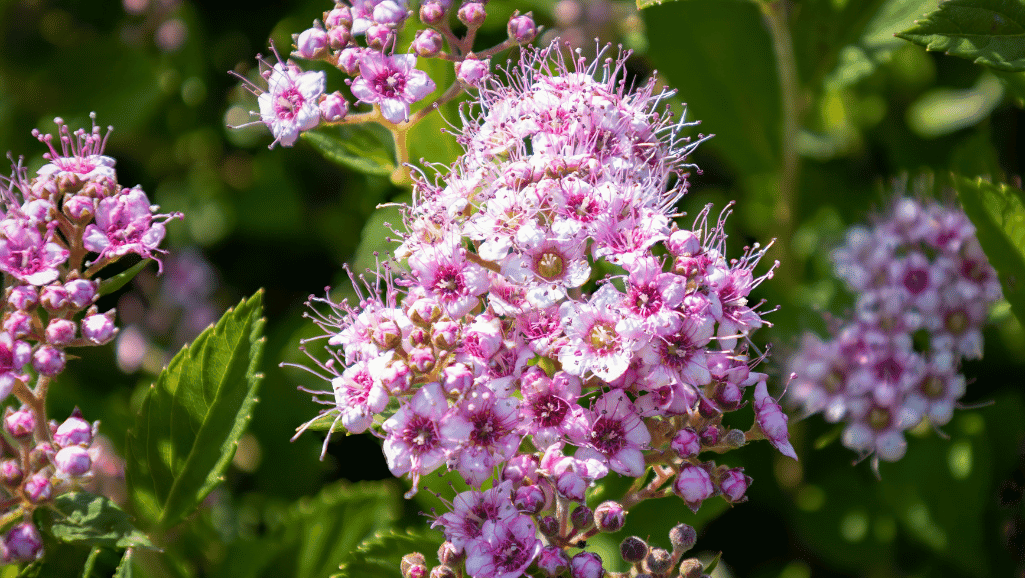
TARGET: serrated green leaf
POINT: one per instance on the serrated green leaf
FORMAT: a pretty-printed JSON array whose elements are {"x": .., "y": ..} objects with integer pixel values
[
  {"x": 988, "y": 32},
  {"x": 380, "y": 555},
  {"x": 191, "y": 420},
  {"x": 365, "y": 148},
  {"x": 316, "y": 534},
  {"x": 118, "y": 281},
  {"x": 124, "y": 568},
  {"x": 719, "y": 54},
  {"x": 998, "y": 212},
  {"x": 84, "y": 518}
]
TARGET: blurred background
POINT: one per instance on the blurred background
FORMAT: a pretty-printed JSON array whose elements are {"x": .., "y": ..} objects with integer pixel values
[{"x": 803, "y": 161}]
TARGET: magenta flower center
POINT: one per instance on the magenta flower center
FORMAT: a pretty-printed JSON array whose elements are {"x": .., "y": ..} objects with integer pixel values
[
  {"x": 607, "y": 436},
  {"x": 916, "y": 280},
  {"x": 646, "y": 300},
  {"x": 486, "y": 429},
  {"x": 421, "y": 435},
  {"x": 550, "y": 410},
  {"x": 391, "y": 85},
  {"x": 288, "y": 103},
  {"x": 449, "y": 281}
]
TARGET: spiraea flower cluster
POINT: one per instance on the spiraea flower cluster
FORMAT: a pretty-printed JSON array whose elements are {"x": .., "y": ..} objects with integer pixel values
[
  {"x": 58, "y": 232},
  {"x": 544, "y": 322},
  {"x": 361, "y": 39},
  {"x": 923, "y": 290}
]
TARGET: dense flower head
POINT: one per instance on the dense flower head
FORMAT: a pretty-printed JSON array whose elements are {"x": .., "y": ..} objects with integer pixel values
[
  {"x": 918, "y": 270},
  {"x": 506, "y": 348}
]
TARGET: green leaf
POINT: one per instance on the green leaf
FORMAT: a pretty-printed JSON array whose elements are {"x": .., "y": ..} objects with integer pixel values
[
  {"x": 998, "y": 212},
  {"x": 380, "y": 555},
  {"x": 719, "y": 54},
  {"x": 988, "y": 32},
  {"x": 90, "y": 562},
  {"x": 191, "y": 419},
  {"x": 365, "y": 148},
  {"x": 313, "y": 536},
  {"x": 124, "y": 568},
  {"x": 84, "y": 518},
  {"x": 642, "y": 4},
  {"x": 121, "y": 279},
  {"x": 712, "y": 565}
]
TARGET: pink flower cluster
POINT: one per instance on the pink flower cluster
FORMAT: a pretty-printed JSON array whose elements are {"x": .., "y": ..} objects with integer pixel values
[
  {"x": 924, "y": 288},
  {"x": 545, "y": 322},
  {"x": 49, "y": 226}
]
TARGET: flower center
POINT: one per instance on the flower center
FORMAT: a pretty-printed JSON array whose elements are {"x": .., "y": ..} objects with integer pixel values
[
  {"x": 602, "y": 337},
  {"x": 550, "y": 410},
  {"x": 957, "y": 322},
  {"x": 932, "y": 387},
  {"x": 879, "y": 418},
  {"x": 550, "y": 265},
  {"x": 608, "y": 436},
  {"x": 916, "y": 280},
  {"x": 288, "y": 103}
]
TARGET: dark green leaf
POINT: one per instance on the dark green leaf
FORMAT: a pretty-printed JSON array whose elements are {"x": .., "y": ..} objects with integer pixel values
[
  {"x": 191, "y": 420},
  {"x": 315, "y": 535},
  {"x": 124, "y": 568},
  {"x": 379, "y": 556},
  {"x": 1014, "y": 82},
  {"x": 829, "y": 437},
  {"x": 90, "y": 562},
  {"x": 988, "y": 32},
  {"x": 719, "y": 54},
  {"x": 365, "y": 148},
  {"x": 81, "y": 517},
  {"x": 118, "y": 281},
  {"x": 998, "y": 212}
]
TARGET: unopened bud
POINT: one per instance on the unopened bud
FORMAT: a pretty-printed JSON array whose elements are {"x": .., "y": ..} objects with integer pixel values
[
  {"x": 548, "y": 526},
  {"x": 48, "y": 360},
  {"x": 529, "y": 499},
  {"x": 586, "y": 565},
  {"x": 609, "y": 516},
  {"x": 582, "y": 517},
  {"x": 443, "y": 571},
  {"x": 522, "y": 28},
  {"x": 735, "y": 438},
  {"x": 553, "y": 561},
  {"x": 23, "y": 297},
  {"x": 682, "y": 537},
  {"x": 686, "y": 443},
  {"x": 633, "y": 549},
  {"x": 449, "y": 555},
  {"x": 413, "y": 565},
  {"x": 339, "y": 37},
  {"x": 710, "y": 435},
  {"x": 20, "y": 424},
  {"x": 19, "y": 324},
  {"x": 658, "y": 561},
  {"x": 428, "y": 43},
  {"x": 445, "y": 334},
  {"x": 80, "y": 207},
  {"x": 38, "y": 488},
  {"x": 432, "y": 13},
  {"x": 60, "y": 331},
  {"x": 53, "y": 297},
  {"x": 734, "y": 484},
  {"x": 348, "y": 60},
  {"x": 311, "y": 43},
  {"x": 75, "y": 431},
  {"x": 379, "y": 36},
  {"x": 340, "y": 15},
  {"x": 691, "y": 568},
  {"x": 22, "y": 543},
  {"x": 73, "y": 461},
  {"x": 694, "y": 485},
  {"x": 472, "y": 71},
  {"x": 10, "y": 473},
  {"x": 390, "y": 13},
  {"x": 99, "y": 328},
  {"x": 472, "y": 14},
  {"x": 333, "y": 107},
  {"x": 81, "y": 292}
]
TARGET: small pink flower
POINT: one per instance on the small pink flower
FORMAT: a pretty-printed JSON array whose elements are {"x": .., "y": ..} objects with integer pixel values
[
  {"x": 617, "y": 435},
  {"x": 772, "y": 420},
  {"x": 289, "y": 106},
  {"x": 27, "y": 255},
  {"x": 505, "y": 549},
  {"x": 126, "y": 224},
  {"x": 414, "y": 442},
  {"x": 392, "y": 82}
]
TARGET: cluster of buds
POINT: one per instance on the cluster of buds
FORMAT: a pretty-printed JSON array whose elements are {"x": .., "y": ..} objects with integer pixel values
[
  {"x": 361, "y": 41},
  {"x": 545, "y": 322},
  {"x": 924, "y": 288},
  {"x": 51, "y": 224}
]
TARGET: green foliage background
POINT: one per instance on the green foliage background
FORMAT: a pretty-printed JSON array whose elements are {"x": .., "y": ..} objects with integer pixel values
[{"x": 817, "y": 109}]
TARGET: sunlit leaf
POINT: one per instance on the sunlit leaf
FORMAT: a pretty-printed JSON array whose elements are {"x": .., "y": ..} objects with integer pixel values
[
  {"x": 380, "y": 555},
  {"x": 988, "y": 32},
  {"x": 118, "y": 281},
  {"x": 81, "y": 517},
  {"x": 365, "y": 148}
]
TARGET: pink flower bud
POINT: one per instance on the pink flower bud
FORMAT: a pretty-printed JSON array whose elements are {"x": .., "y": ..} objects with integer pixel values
[
  {"x": 339, "y": 16},
  {"x": 432, "y": 12},
  {"x": 80, "y": 207},
  {"x": 73, "y": 461},
  {"x": 710, "y": 435},
  {"x": 348, "y": 60},
  {"x": 395, "y": 377},
  {"x": 683, "y": 244},
  {"x": 53, "y": 297},
  {"x": 530, "y": 499},
  {"x": 658, "y": 561},
  {"x": 449, "y": 555},
  {"x": 75, "y": 431},
  {"x": 80, "y": 292},
  {"x": 582, "y": 517},
  {"x": 38, "y": 488},
  {"x": 20, "y": 424},
  {"x": 586, "y": 565},
  {"x": 10, "y": 473},
  {"x": 60, "y": 331},
  {"x": 471, "y": 71},
  {"x": 445, "y": 334},
  {"x": 379, "y": 36},
  {"x": 311, "y": 44},
  {"x": 553, "y": 561},
  {"x": 571, "y": 485},
  {"x": 772, "y": 420},
  {"x": 428, "y": 43},
  {"x": 390, "y": 13},
  {"x": 421, "y": 359},
  {"x": 686, "y": 443},
  {"x": 339, "y": 37},
  {"x": 522, "y": 28},
  {"x": 694, "y": 485},
  {"x": 609, "y": 516},
  {"x": 472, "y": 14},
  {"x": 23, "y": 297},
  {"x": 458, "y": 378},
  {"x": 99, "y": 329},
  {"x": 48, "y": 360},
  {"x": 633, "y": 549},
  {"x": 413, "y": 565},
  {"x": 18, "y": 324},
  {"x": 733, "y": 485},
  {"x": 682, "y": 537},
  {"x": 22, "y": 543},
  {"x": 548, "y": 526},
  {"x": 424, "y": 311},
  {"x": 333, "y": 107},
  {"x": 521, "y": 468}
]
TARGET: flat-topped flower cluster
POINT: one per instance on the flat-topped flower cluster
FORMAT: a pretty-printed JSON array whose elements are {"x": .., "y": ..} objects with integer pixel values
[
  {"x": 50, "y": 224},
  {"x": 545, "y": 322},
  {"x": 918, "y": 271}
]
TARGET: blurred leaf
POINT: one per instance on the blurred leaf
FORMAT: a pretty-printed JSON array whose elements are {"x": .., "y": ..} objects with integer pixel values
[
  {"x": 316, "y": 534},
  {"x": 713, "y": 564},
  {"x": 942, "y": 110},
  {"x": 642, "y": 4},
  {"x": 118, "y": 281},
  {"x": 822, "y": 29},
  {"x": 987, "y": 32},
  {"x": 998, "y": 212},
  {"x": 191, "y": 420},
  {"x": 1014, "y": 82},
  {"x": 366, "y": 148},
  {"x": 380, "y": 555},
  {"x": 719, "y": 54},
  {"x": 81, "y": 517},
  {"x": 124, "y": 568},
  {"x": 90, "y": 562}
]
